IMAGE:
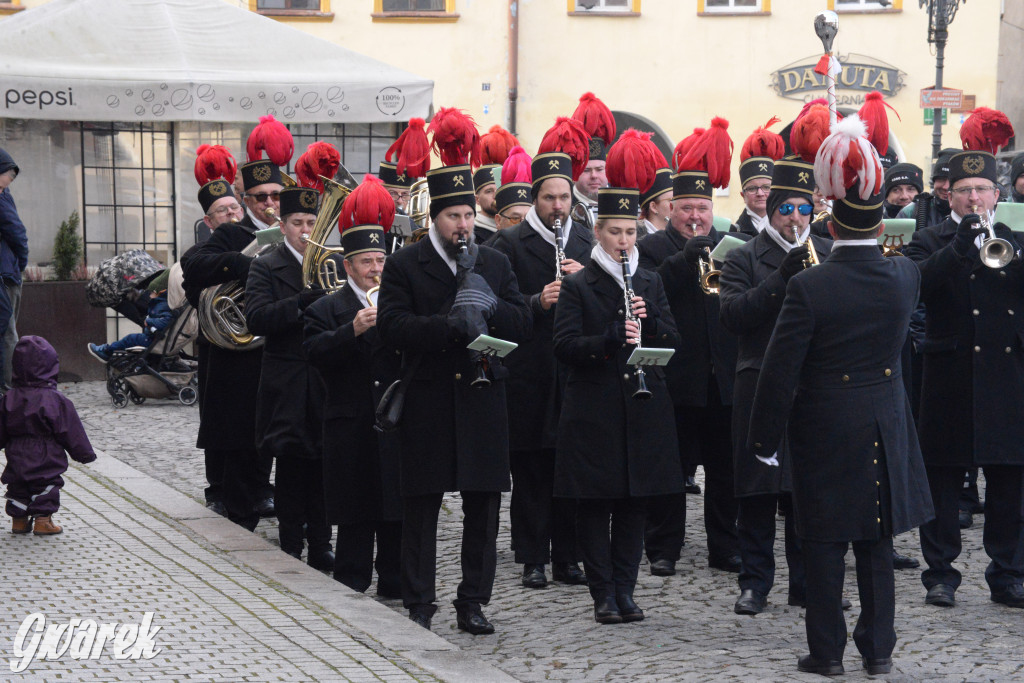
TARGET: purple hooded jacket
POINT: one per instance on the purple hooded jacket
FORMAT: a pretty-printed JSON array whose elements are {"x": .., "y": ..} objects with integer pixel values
[{"x": 37, "y": 422}]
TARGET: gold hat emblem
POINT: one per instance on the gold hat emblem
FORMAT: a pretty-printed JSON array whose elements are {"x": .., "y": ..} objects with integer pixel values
[
  {"x": 804, "y": 177},
  {"x": 261, "y": 173},
  {"x": 700, "y": 184},
  {"x": 217, "y": 188},
  {"x": 553, "y": 164},
  {"x": 400, "y": 178},
  {"x": 763, "y": 167},
  {"x": 307, "y": 199},
  {"x": 375, "y": 238},
  {"x": 623, "y": 203},
  {"x": 458, "y": 180},
  {"x": 522, "y": 193},
  {"x": 974, "y": 164}
]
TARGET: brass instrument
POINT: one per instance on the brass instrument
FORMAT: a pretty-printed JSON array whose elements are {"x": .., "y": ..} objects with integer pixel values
[
  {"x": 372, "y": 292},
  {"x": 222, "y": 310},
  {"x": 995, "y": 251},
  {"x": 559, "y": 250},
  {"x": 319, "y": 267},
  {"x": 892, "y": 245},
  {"x": 812, "y": 253},
  {"x": 642, "y": 392},
  {"x": 419, "y": 208},
  {"x": 288, "y": 181},
  {"x": 582, "y": 214},
  {"x": 707, "y": 274},
  {"x": 821, "y": 215}
]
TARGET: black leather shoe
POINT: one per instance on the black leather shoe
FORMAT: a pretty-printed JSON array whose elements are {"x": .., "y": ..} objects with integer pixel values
[
  {"x": 422, "y": 614},
  {"x": 265, "y": 508},
  {"x": 533, "y": 576},
  {"x": 904, "y": 562},
  {"x": 691, "y": 486},
  {"x": 628, "y": 609},
  {"x": 799, "y": 601},
  {"x": 663, "y": 568},
  {"x": 941, "y": 595},
  {"x": 877, "y": 667},
  {"x": 810, "y": 665},
  {"x": 297, "y": 554},
  {"x": 218, "y": 507},
  {"x": 750, "y": 602},
  {"x": 966, "y": 519},
  {"x": 726, "y": 564},
  {"x": 606, "y": 611},
  {"x": 323, "y": 560},
  {"x": 568, "y": 573},
  {"x": 473, "y": 622},
  {"x": 1011, "y": 597}
]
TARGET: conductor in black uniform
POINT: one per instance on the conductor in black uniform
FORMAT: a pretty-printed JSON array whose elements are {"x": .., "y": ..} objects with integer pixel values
[
  {"x": 543, "y": 528},
  {"x": 454, "y": 437},
  {"x": 831, "y": 381},
  {"x": 289, "y": 413},
  {"x": 753, "y": 286}
]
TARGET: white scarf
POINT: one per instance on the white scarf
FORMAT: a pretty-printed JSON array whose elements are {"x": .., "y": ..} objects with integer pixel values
[
  {"x": 650, "y": 227},
  {"x": 533, "y": 219},
  {"x": 613, "y": 266},
  {"x": 980, "y": 239},
  {"x": 435, "y": 239},
  {"x": 865, "y": 242},
  {"x": 760, "y": 222},
  {"x": 782, "y": 242},
  {"x": 360, "y": 294},
  {"x": 583, "y": 198},
  {"x": 260, "y": 225},
  {"x": 484, "y": 221}
]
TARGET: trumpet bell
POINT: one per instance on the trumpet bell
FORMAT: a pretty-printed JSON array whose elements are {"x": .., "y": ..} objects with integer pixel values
[{"x": 996, "y": 252}]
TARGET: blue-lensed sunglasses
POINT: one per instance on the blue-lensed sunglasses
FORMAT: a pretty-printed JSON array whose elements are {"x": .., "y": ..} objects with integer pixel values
[{"x": 804, "y": 209}]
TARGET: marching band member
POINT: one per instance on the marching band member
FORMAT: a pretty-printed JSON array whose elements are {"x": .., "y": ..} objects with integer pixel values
[
  {"x": 613, "y": 450},
  {"x": 495, "y": 147},
  {"x": 397, "y": 185},
  {"x": 598, "y": 122},
  {"x": 656, "y": 203},
  {"x": 760, "y": 151}
]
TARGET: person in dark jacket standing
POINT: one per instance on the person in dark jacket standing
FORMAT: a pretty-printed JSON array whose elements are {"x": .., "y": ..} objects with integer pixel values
[
  {"x": 756, "y": 180},
  {"x": 972, "y": 404},
  {"x": 830, "y": 380},
  {"x": 613, "y": 449},
  {"x": 39, "y": 428},
  {"x": 753, "y": 286},
  {"x": 290, "y": 398},
  {"x": 360, "y": 464},
  {"x": 13, "y": 259},
  {"x": 543, "y": 528},
  {"x": 434, "y": 299}
]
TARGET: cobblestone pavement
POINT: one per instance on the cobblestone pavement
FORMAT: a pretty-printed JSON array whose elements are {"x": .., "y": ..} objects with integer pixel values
[{"x": 690, "y": 632}]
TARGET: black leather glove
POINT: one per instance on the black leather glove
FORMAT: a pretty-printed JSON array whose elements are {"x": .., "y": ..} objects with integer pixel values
[
  {"x": 614, "y": 336},
  {"x": 309, "y": 295},
  {"x": 968, "y": 230},
  {"x": 695, "y": 247},
  {"x": 476, "y": 293},
  {"x": 793, "y": 263}
]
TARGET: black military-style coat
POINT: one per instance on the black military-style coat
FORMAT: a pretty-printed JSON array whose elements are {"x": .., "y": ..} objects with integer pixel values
[
  {"x": 752, "y": 291},
  {"x": 361, "y": 466},
  {"x": 229, "y": 379},
  {"x": 706, "y": 351},
  {"x": 832, "y": 370},
  {"x": 290, "y": 398},
  {"x": 453, "y": 437},
  {"x": 533, "y": 387},
  {"x": 972, "y": 394},
  {"x": 611, "y": 445},
  {"x": 745, "y": 225}
]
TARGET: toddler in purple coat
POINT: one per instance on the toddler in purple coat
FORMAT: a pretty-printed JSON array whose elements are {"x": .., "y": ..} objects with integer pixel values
[{"x": 38, "y": 429}]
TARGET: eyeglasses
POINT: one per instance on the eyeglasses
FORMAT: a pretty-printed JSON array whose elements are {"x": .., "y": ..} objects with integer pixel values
[
  {"x": 804, "y": 209},
  {"x": 759, "y": 189},
  {"x": 964, "y": 191},
  {"x": 233, "y": 208},
  {"x": 262, "y": 196}
]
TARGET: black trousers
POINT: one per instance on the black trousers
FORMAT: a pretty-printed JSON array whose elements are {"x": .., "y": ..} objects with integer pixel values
[
  {"x": 875, "y": 633},
  {"x": 705, "y": 434},
  {"x": 214, "y": 464},
  {"x": 543, "y": 527},
  {"x": 610, "y": 535},
  {"x": 264, "y": 467},
  {"x": 756, "y": 525},
  {"x": 299, "y": 501},
  {"x": 354, "y": 563},
  {"x": 479, "y": 549},
  {"x": 1004, "y": 526},
  {"x": 239, "y": 483}
]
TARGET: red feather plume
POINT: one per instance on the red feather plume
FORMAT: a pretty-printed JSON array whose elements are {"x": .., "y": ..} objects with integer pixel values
[
  {"x": 808, "y": 132},
  {"x": 807, "y": 107},
  {"x": 319, "y": 159},
  {"x": 873, "y": 114},
  {"x": 214, "y": 162},
  {"x": 495, "y": 145},
  {"x": 270, "y": 136},
  {"x": 764, "y": 143},
  {"x": 986, "y": 130},
  {"x": 633, "y": 161},
  {"x": 413, "y": 150},
  {"x": 516, "y": 168},
  {"x": 683, "y": 148},
  {"x": 455, "y": 137},
  {"x": 369, "y": 204},
  {"x": 714, "y": 147},
  {"x": 569, "y": 137},
  {"x": 596, "y": 118}
]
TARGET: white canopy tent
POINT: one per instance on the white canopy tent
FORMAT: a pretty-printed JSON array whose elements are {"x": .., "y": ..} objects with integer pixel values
[{"x": 190, "y": 60}]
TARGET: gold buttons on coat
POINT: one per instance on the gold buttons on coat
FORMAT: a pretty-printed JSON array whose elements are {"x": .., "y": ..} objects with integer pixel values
[
  {"x": 888, "y": 372},
  {"x": 977, "y": 349},
  {"x": 976, "y": 312},
  {"x": 846, "y": 378},
  {"x": 458, "y": 376}
]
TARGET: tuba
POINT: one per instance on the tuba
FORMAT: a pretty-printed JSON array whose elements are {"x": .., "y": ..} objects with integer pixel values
[
  {"x": 319, "y": 267},
  {"x": 419, "y": 209}
]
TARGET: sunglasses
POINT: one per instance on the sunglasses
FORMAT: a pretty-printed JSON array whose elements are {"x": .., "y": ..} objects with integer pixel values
[
  {"x": 262, "y": 196},
  {"x": 804, "y": 209}
]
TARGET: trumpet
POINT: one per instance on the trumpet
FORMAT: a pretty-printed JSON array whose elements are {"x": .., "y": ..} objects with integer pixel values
[
  {"x": 642, "y": 392},
  {"x": 995, "y": 251},
  {"x": 812, "y": 253},
  {"x": 559, "y": 250},
  {"x": 708, "y": 276}
]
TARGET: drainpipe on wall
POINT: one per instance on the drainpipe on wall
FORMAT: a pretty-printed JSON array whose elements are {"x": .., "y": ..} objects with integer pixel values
[{"x": 513, "y": 62}]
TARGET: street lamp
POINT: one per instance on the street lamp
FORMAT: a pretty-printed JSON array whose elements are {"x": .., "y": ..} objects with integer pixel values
[{"x": 940, "y": 16}]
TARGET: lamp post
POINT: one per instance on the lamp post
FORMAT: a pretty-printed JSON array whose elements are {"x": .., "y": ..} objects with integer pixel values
[{"x": 940, "y": 16}]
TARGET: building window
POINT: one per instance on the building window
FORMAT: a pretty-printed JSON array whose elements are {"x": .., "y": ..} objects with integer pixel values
[
  {"x": 734, "y": 6},
  {"x": 604, "y": 7},
  {"x": 865, "y": 5},
  {"x": 9, "y": 6},
  {"x": 434, "y": 10},
  {"x": 308, "y": 9}
]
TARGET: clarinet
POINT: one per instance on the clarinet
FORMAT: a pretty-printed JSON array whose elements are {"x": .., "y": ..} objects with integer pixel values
[
  {"x": 641, "y": 392},
  {"x": 559, "y": 250}
]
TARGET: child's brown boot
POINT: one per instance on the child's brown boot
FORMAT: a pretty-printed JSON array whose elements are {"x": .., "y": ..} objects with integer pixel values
[
  {"x": 45, "y": 527},
  {"x": 21, "y": 525}
]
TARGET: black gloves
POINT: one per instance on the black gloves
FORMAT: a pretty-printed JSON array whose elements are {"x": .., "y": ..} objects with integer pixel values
[
  {"x": 309, "y": 295},
  {"x": 695, "y": 247},
  {"x": 793, "y": 263},
  {"x": 968, "y": 230},
  {"x": 614, "y": 336}
]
